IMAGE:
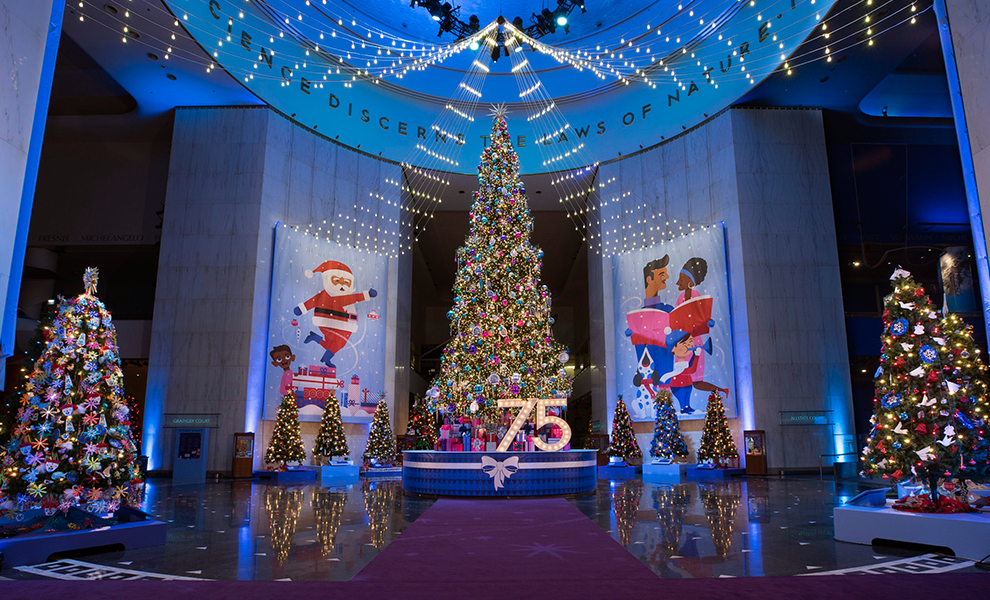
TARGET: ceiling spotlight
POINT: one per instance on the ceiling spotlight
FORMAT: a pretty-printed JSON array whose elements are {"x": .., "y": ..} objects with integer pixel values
[
  {"x": 562, "y": 20},
  {"x": 474, "y": 45}
]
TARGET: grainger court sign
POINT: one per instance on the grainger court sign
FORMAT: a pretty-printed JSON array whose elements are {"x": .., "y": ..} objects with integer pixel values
[{"x": 743, "y": 46}]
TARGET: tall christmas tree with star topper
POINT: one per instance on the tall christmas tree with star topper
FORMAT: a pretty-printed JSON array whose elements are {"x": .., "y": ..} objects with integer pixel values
[
  {"x": 72, "y": 444},
  {"x": 502, "y": 345},
  {"x": 930, "y": 404}
]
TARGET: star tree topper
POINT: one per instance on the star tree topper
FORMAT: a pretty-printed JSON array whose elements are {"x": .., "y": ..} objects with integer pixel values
[
  {"x": 498, "y": 111},
  {"x": 90, "y": 279}
]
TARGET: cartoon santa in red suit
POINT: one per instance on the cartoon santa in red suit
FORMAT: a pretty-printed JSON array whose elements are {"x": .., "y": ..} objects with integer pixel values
[{"x": 332, "y": 308}]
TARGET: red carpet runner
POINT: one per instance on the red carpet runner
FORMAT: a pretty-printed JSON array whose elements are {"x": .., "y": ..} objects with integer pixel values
[{"x": 498, "y": 549}]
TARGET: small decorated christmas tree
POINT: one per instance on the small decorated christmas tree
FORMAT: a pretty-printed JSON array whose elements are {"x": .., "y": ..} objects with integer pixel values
[
  {"x": 72, "y": 444},
  {"x": 381, "y": 440},
  {"x": 668, "y": 443},
  {"x": 422, "y": 425},
  {"x": 331, "y": 440},
  {"x": 623, "y": 443},
  {"x": 286, "y": 445},
  {"x": 717, "y": 445},
  {"x": 972, "y": 408}
]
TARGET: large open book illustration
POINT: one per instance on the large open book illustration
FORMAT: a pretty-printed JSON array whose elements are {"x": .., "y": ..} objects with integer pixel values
[{"x": 649, "y": 325}]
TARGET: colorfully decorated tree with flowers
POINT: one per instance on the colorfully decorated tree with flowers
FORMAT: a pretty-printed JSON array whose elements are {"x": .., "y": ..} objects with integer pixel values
[
  {"x": 930, "y": 405},
  {"x": 502, "y": 345},
  {"x": 72, "y": 444}
]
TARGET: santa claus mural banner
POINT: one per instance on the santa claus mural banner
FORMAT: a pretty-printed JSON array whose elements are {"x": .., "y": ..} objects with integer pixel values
[
  {"x": 326, "y": 329},
  {"x": 672, "y": 325}
]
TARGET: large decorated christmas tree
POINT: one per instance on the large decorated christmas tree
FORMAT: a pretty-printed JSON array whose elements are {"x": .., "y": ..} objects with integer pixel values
[
  {"x": 916, "y": 432},
  {"x": 622, "y": 443},
  {"x": 381, "y": 439},
  {"x": 966, "y": 369},
  {"x": 668, "y": 443},
  {"x": 72, "y": 444},
  {"x": 502, "y": 345},
  {"x": 331, "y": 441},
  {"x": 717, "y": 446},
  {"x": 930, "y": 409},
  {"x": 286, "y": 445}
]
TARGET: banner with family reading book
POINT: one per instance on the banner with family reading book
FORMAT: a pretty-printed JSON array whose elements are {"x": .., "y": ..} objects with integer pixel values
[
  {"x": 672, "y": 325},
  {"x": 326, "y": 329}
]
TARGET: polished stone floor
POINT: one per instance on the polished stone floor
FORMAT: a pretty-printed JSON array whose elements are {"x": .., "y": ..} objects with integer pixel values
[{"x": 746, "y": 527}]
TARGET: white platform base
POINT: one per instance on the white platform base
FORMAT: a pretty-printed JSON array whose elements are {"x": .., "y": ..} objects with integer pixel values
[
  {"x": 968, "y": 535},
  {"x": 672, "y": 472}
]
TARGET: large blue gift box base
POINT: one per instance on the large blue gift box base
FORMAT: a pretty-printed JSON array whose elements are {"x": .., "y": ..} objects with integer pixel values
[{"x": 499, "y": 474}]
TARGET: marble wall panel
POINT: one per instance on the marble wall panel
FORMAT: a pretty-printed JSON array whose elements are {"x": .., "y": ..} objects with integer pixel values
[
  {"x": 763, "y": 173},
  {"x": 235, "y": 174}
]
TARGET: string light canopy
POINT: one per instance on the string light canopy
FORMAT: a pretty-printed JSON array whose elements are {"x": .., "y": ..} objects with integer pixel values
[{"x": 608, "y": 87}]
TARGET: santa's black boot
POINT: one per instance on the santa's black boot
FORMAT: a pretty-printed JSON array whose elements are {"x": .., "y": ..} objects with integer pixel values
[
  {"x": 327, "y": 356},
  {"x": 313, "y": 337}
]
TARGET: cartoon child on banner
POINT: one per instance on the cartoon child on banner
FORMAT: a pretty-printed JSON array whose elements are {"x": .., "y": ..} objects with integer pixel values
[
  {"x": 330, "y": 308},
  {"x": 687, "y": 359},
  {"x": 282, "y": 358}
]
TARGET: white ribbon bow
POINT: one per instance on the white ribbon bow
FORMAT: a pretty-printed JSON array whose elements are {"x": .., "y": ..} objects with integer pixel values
[{"x": 499, "y": 471}]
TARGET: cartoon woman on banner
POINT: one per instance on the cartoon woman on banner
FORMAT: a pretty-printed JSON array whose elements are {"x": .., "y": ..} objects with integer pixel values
[{"x": 693, "y": 274}]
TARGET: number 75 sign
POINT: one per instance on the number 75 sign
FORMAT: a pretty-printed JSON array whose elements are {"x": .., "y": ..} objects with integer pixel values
[{"x": 525, "y": 407}]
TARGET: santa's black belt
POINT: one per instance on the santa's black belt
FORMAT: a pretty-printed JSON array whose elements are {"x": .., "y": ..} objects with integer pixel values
[{"x": 335, "y": 313}]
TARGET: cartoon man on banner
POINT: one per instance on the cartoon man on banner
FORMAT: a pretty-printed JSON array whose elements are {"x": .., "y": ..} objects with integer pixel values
[{"x": 330, "y": 308}]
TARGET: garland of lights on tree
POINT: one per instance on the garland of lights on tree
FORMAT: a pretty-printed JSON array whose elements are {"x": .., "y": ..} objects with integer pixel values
[
  {"x": 930, "y": 409},
  {"x": 668, "y": 443},
  {"x": 286, "y": 444},
  {"x": 72, "y": 445},
  {"x": 502, "y": 345},
  {"x": 717, "y": 446},
  {"x": 331, "y": 441},
  {"x": 381, "y": 440},
  {"x": 622, "y": 443}
]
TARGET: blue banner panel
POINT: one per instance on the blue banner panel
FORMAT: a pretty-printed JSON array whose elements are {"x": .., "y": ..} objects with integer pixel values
[
  {"x": 326, "y": 328},
  {"x": 672, "y": 325}
]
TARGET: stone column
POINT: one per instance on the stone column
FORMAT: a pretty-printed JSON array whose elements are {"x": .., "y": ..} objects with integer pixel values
[
  {"x": 235, "y": 173},
  {"x": 29, "y": 35},
  {"x": 763, "y": 174}
]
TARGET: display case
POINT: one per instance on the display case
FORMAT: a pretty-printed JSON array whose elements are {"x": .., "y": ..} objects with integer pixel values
[
  {"x": 243, "y": 455},
  {"x": 756, "y": 452}
]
